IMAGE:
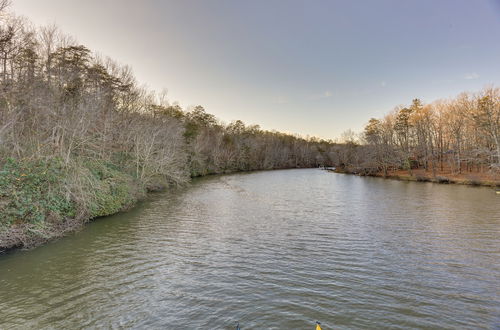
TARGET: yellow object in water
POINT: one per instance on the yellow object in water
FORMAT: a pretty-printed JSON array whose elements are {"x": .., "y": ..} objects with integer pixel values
[{"x": 318, "y": 326}]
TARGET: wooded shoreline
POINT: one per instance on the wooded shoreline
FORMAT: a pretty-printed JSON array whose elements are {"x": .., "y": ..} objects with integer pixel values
[
  {"x": 16, "y": 237},
  {"x": 428, "y": 177},
  {"x": 80, "y": 138},
  {"x": 73, "y": 225}
]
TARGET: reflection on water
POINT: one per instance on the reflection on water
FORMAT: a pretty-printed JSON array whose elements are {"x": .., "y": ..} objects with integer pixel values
[{"x": 274, "y": 250}]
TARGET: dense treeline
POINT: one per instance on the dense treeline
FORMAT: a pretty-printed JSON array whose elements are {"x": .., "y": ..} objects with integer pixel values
[
  {"x": 79, "y": 138},
  {"x": 456, "y": 136}
]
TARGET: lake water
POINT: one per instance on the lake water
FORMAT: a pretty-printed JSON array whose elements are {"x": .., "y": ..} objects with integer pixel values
[{"x": 271, "y": 250}]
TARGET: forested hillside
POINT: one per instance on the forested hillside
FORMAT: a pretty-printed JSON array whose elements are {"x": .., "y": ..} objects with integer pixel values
[
  {"x": 79, "y": 138},
  {"x": 459, "y": 136}
]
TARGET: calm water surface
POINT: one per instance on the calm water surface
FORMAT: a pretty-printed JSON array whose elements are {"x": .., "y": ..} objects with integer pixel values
[{"x": 272, "y": 250}]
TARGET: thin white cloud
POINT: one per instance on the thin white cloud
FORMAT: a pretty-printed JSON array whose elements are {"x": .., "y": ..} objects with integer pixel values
[
  {"x": 470, "y": 76},
  {"x": 383, "y": 83},
  {"x": 324, "y": 95}
]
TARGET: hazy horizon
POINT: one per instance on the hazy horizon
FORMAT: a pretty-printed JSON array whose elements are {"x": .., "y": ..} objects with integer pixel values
[{"x": 312, "y": 68}]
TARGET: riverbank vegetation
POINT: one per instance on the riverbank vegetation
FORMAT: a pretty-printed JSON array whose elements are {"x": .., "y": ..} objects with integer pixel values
[
  {"x": 80, "y": 138},
  {"x": 447, "y": 141}
]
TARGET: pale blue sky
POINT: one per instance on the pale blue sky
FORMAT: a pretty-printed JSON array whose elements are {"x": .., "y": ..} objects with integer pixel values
[{"x": 308, "y": 67}]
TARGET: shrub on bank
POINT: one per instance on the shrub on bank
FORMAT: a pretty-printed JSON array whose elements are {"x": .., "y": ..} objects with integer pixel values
[
  {"x": 33, "y": 192},
  {"x": 32, "y": 199},
  {"x": 104, "y": 189},
  {"x": 422, "y": 178},
  {"x": 43, "y": 199},
  {"x": 442, "y": 179}
]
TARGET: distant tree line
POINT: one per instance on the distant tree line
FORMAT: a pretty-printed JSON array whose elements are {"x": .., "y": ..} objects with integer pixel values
[
  {"x": 457, "y": 135},
  {"x": 58, "y": 99}
]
